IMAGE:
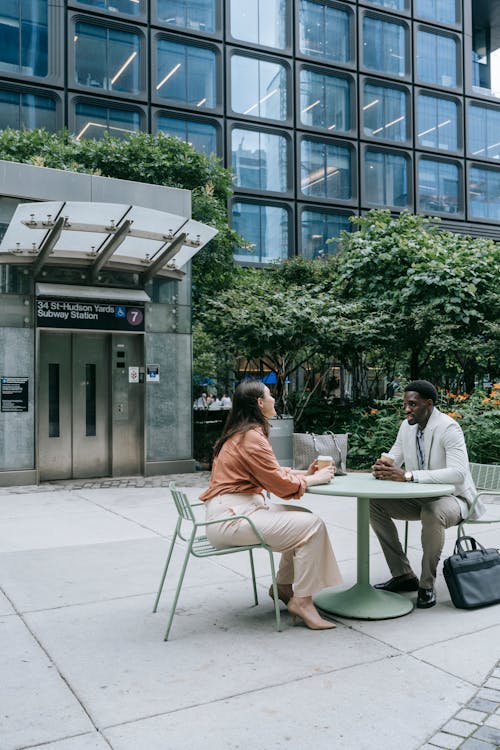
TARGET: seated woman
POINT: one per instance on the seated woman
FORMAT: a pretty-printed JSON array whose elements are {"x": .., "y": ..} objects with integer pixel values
[{"x": 244, "y": 466}]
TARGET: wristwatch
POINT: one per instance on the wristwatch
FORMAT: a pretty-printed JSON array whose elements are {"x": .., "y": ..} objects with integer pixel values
[{"x": 408, "y": 476}]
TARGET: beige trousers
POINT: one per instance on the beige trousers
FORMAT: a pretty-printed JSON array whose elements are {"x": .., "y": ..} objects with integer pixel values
[
  {"x": 307, "y": 559},
  {"x": 435, "y": 514}
]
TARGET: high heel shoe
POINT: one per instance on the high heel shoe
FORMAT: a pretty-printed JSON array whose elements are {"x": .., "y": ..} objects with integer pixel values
[
  {"x": 313, "y": 622},
  {"x": 283, "y": 594}
]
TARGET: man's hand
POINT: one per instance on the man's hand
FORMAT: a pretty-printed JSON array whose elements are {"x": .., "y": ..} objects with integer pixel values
[{"x": 381, "y": 470}]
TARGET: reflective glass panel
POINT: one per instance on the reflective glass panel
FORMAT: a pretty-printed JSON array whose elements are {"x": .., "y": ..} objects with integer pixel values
[
  {"x": 54, "y": 400},
  {"x": 92, "y": 121},
  {"x": 325, "y": 170},
  {"x": 27, "y": 111},
  {"x": 90, "y": 399},
  {"x": 484, "y": 193},
  {"x": 436, "y": 59},
  {"x": 131, "y": 7},
  {"x": 258, "y": 88},
  {"x": 386, "y": 179},
  {"x": 384, "y": 46},
  {"x": 438, "y": 187},
  {"x": 201, "y": 135},
  {"x": 486, "y": 47},
  {"x": 324, "y": 31},
  {"x": 384, "y": 112},
  {"x": 24, "y": 37},
  {"x": 265, "y": 228},
  {"x": 437, "y": 10},
  {"x": 437, "y": 124},
  {"x": 484, "y": 132},
  {"x": 259, "y": 160},
  {"x": 106, "y": 58},
  {"x": 394, "y": 4},
  {"x": 325, "y": 101},
  {"x": 199, "y": 15},
  {"x": 187, "y": 74},
  {"x": 317, "y": 227},
  {"x": 261, "y": 22}
]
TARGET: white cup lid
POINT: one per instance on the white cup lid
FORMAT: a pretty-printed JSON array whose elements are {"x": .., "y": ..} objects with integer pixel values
[{"x": 325, "y": 458}]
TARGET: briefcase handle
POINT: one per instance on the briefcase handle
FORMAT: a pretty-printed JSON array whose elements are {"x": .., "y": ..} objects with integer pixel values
[{"x": 473, "y": 543}]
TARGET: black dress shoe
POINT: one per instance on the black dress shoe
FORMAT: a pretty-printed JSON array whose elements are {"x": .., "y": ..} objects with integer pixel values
[
  {"x": 399, "y": 583},
  {"x": 426, "y": 598}
]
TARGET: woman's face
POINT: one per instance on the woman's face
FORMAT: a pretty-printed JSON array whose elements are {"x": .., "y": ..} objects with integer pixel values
[{"x": 266, "y": 403}]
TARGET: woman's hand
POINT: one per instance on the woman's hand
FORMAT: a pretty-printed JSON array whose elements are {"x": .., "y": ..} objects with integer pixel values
[{"x": 321, "y": 476}]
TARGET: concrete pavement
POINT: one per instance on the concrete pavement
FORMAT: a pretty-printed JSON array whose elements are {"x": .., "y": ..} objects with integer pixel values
[{"x": 84, "y": 666}]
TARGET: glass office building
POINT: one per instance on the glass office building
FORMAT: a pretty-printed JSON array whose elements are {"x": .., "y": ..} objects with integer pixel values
[{"x": 323, "y": 108}]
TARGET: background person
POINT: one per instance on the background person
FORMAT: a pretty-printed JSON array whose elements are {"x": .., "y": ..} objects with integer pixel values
[
  {"x": 244, "y": 466},
  {"x": 432, "y": 448}
]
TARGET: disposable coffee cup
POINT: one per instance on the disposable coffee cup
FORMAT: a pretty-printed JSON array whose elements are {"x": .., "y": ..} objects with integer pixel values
[
  {"x": 387, "y": 458},
  {"x": 324, "y": 461}
]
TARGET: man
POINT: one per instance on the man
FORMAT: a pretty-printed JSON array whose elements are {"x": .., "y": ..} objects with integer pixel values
[{"x": 432, "y": 448}]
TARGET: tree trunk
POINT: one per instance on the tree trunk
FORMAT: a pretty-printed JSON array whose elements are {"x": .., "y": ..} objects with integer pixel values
[{"x": 414, "y": 364}]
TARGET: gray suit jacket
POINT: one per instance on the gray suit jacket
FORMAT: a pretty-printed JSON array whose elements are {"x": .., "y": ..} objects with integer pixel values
[{"x": 446, "y": 456}]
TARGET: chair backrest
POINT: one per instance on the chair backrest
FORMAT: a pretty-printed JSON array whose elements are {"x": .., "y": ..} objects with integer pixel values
[
  {"x": 486, "y": 476},
  {"x": 182, "y": 503}
]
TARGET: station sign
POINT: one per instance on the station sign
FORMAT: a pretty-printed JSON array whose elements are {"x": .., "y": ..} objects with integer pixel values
[
  {"x": 13, "y": 394},
  {"x": 97, "y": 316}
]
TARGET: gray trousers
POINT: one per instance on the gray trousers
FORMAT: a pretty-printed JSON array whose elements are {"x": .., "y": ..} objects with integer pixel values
[{"x": 435, "y": 514}]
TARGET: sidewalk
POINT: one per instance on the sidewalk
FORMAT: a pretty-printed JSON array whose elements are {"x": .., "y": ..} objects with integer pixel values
[{"x": 84, "y": 666}]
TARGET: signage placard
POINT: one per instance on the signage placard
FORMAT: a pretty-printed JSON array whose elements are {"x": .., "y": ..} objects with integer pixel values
[
  {"x": 98, "y": 316},
  {"x": 13, "y": 394},
  {"x": 152, "y": 373}
]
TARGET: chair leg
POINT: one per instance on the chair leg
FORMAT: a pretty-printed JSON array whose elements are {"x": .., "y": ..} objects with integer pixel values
[
  {"x": 178, "y": 590},
  {"x": 171, "y": 549},
  {"x": 250, "y": 552},
  {"x": 406, "y": 537},
  {"x": 460, "y": 530},
  {"x": 275, "y": 593}
]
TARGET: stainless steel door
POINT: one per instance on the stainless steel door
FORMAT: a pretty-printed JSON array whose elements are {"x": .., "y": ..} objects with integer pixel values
[{"x": 74, "y": 405}]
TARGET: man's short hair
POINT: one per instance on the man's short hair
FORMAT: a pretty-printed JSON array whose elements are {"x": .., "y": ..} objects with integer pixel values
[{"x": 424, "y": 388}]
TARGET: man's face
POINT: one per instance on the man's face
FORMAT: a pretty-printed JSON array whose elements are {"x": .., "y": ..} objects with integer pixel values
[{"x": 417, "y": 409}]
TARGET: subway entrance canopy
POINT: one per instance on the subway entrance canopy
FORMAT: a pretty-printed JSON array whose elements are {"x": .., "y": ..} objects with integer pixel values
[{"x": 103, "y": 236}]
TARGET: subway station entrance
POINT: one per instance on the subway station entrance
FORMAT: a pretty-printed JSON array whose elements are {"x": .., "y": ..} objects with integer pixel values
[{"x": 91, "y": 417}]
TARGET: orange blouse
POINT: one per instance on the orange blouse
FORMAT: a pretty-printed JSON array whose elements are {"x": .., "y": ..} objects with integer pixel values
[{"x": 246, "y": 464}]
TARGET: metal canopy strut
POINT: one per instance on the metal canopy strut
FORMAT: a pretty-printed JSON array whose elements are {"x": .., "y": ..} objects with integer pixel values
[{"x": 47, "y": 245}]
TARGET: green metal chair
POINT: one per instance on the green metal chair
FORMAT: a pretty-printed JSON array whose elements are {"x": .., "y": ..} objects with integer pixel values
[
  {"x": 199, "y": 546},
  {"x": 487, "y": 479}
]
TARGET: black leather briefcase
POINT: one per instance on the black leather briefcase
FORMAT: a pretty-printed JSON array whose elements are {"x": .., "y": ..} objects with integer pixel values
[{"x": 473, "y": 575}]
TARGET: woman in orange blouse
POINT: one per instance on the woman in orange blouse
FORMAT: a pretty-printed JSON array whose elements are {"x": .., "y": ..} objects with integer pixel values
[{"x": 244, "y": 466}]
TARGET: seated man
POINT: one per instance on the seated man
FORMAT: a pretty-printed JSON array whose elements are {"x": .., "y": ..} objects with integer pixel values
[{"x": 432, "y": 448}]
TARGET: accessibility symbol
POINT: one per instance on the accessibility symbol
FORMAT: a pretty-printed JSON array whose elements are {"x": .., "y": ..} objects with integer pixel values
[{"x": 120, "y": 311}]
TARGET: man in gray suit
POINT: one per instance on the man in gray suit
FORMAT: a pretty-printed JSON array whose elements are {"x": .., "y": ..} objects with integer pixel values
[{"x": 432, "y": 448}]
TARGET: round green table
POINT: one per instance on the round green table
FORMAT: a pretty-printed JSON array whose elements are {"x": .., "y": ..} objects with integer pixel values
[{"x": 362, "y": 601}]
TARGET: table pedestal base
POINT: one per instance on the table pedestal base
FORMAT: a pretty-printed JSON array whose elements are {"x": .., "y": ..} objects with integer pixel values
[{"x": 363, "y": 602}]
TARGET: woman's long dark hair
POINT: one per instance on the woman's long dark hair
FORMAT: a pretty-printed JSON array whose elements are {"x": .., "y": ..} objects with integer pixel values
[{"x": 245, "y": 412}]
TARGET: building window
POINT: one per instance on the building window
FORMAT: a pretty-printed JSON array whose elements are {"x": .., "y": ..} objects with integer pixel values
[
  {"x": 187, "y": 74},
  {"x": 325, "y": 101},
  {"x": 199, "y": 15},
  {"x": 201, "y": 135},
  {"x": 262, "y": 22},
  {"x": 437, "y": 59},
  {"x": 130, "y": 7},
  {"x": 265, "y": 228},
  {"x": 384, "y": 46},
  {"x": 386, "y": 179},
  {"x": 437, "y": 123},
  {"x": 22, "y": 111},
  {"x": 324, "y": 31},
  {"x": 484, "y": 193},
  {"x": 320, "y": 232},
  {"x": 443, "y": 11},
  {"x": 259, "y": 160},
  {"x": 106, "y": 58},
  {"x": 258, "y": 88},
  {"x": 438, "y": 187},
  {"x": 92, "y": 121},
  {"x": 24, "y": 37},
  {"x": 485, "y": 47},
  {"x": 391, "y": 4},
  {"x": 325, "y": 170},
  {"x": 385, "y": 112},
  {"x": 483, "y": 132}
]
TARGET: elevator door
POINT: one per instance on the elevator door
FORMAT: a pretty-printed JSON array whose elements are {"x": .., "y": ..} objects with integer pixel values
[{"x": 74, "y": 406}]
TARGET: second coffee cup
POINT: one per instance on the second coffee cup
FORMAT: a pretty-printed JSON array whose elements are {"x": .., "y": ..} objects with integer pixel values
[{"x": 324, "y": 461}]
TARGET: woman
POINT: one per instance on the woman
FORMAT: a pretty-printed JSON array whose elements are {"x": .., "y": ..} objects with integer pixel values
[{"x": 244, "y": 466}]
